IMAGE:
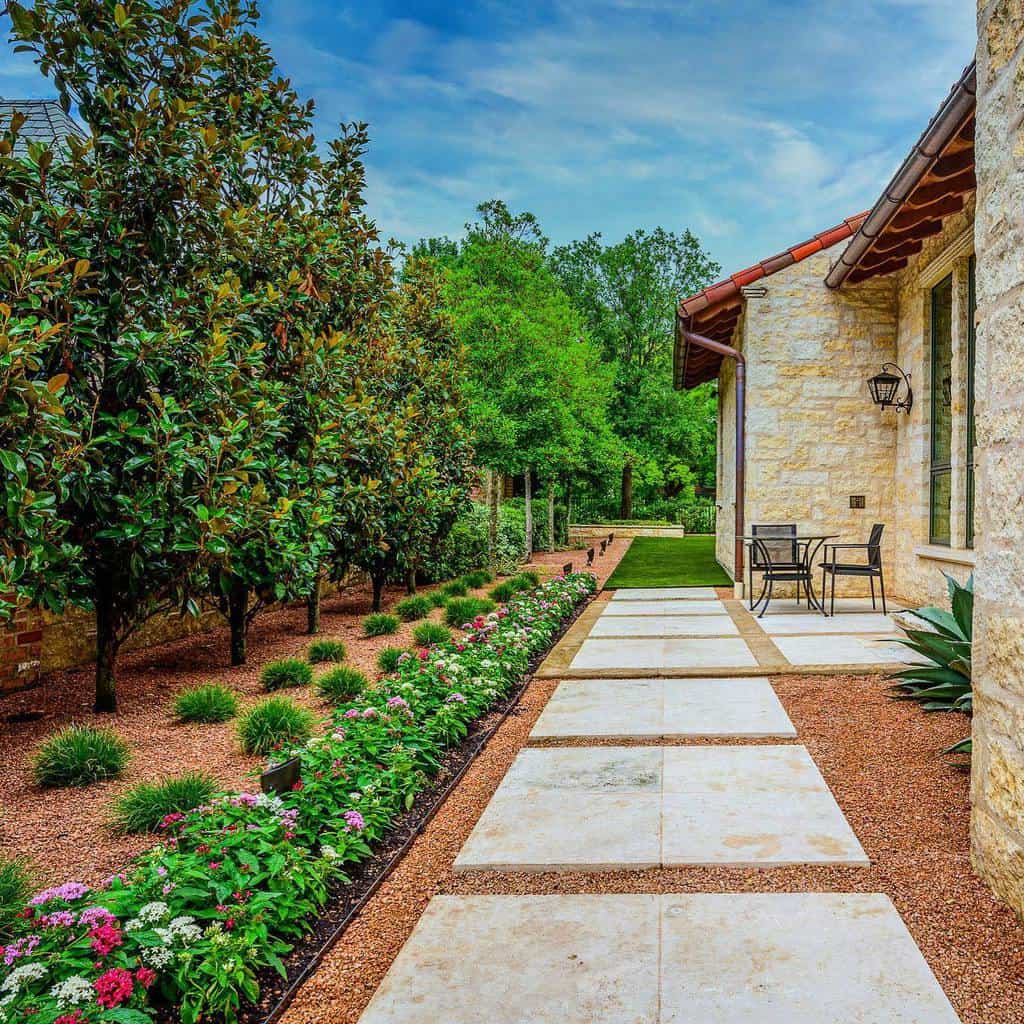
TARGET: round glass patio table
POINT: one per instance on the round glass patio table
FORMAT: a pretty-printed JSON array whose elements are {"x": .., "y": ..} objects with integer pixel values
[{"x": 809, "y": 544}]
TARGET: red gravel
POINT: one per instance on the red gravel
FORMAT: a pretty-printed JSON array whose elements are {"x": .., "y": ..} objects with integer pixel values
[
  {"x": 63, "y": 832},
  {"x": 908, "y": 807}
]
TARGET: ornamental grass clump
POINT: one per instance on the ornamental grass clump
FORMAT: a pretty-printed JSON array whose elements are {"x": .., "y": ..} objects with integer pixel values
[
  {"x": 454, "y": 588},
  {"x": 325, "y": 650},
  {"x": 143, "y": 807},
  {"x": 503, "y": 592},
  {"x": 461, "y": 610},
  {"x": 209, "y": 702},
  {"x": 380, "y": 624},
  {"x": 388, "y": 659},
  {"x": 477, "y": 578},
  {"x": 427, "y": 634},
  {"x": 272, "y": 724},
  {"x": 436, "y": 599},
  {"x": 286, "y": 673},
  {"x": 341, "y": 684},
  {"x": 15, "y": 887},
  {"x": 525, "y": 580},
  {"x": 412, "y": 608},
  {"x": 78, "y": 755}
]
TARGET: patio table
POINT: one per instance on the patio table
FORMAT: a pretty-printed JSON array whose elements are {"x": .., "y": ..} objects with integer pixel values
[{"x": 808, "y": 544}]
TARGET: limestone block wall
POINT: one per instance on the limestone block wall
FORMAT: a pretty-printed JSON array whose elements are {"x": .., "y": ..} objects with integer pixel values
[
  {"x": 725, "y": 477},
  {"x": 814, "y": 438},
  {"x": 997, "y": 781}
]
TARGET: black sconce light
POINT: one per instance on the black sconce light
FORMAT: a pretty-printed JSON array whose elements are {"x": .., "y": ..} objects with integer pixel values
[{"x": 885, "y": 388}]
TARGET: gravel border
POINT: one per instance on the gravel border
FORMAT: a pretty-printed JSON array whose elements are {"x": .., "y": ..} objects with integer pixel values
[{"x": 908, "y": 807}]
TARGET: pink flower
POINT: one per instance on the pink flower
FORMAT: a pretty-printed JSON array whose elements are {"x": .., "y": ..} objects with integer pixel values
[
  {"x": 215, "y": 865},
  {"x": 96, "y": 915},
  {"x": 145, "y": 977},
  {"x": 351, "y": 713},
  {"x": 71, "y": 1018},
  {"x": 68, "y": 892},
  {"x": 354, "y": 821},
  {"x": 105, "y": 939},
  {"x": 114, "y": 987}
]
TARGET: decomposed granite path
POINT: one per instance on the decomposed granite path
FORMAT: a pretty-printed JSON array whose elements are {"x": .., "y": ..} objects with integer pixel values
[{"x": 677, "y": 666}]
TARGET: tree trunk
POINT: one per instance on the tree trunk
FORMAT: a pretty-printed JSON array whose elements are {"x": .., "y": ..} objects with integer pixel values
[
  {"x": 492, "y": 525},
  {"x": 378, "y": 591},
  {"x": 313, "y": 605},
  {"x": 568, "y": 506},
  {"x": 238, "y": 605},
  {"x": 551, "y": 515},
  {"x": 626, "y": 501},
  {"x": 106, "y": 646},
  {"x": 529, "y": 514},
  {"x": 410, "y": 581}
]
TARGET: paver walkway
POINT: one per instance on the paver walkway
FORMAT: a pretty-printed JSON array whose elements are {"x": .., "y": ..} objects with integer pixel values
[{"x": 631, "y": 675}]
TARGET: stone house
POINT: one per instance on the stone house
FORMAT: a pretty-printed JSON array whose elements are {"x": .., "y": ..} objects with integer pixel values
[{"x": 928, "y": 283}]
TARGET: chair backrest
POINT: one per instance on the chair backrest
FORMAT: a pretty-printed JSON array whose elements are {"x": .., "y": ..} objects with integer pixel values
[
  {"x": 773, "y": 547},
  {"x": 875, "y": 546}
]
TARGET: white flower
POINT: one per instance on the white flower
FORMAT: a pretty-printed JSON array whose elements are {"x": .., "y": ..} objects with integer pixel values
[
  {"x": 17, "y": 977},
  {"x": 72, "y": 991},
  {"x": 153, "y": 912},
  {"x": 158, "y": 957},
  {"x": 328, "y": 852}
]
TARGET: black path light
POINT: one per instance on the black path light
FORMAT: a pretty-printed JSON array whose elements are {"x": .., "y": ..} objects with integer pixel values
[{"x": 885, "y": 388}]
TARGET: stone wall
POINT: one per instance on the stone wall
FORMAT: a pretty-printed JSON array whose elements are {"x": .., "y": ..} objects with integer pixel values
[
  {"x": 725, "y": 475},
  {"x": 814, "y": 439},
  {"x": 997, "y": 782}
]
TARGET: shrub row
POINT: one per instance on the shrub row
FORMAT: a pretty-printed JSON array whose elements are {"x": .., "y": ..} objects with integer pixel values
[{"x": 235, "y": 881}]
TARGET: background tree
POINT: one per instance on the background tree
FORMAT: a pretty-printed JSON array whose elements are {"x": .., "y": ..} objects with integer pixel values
[{"x": 628, "y": 293}]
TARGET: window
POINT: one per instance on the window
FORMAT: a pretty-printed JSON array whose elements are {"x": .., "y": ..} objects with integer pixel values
[
  {"x": 969, "y": 495},
  {"x": 941, "y": 412}
]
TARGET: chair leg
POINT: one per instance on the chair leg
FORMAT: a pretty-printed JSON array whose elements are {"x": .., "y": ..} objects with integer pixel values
[
  {"x": 874, "y": 607},
  {"x": 768, "y": 599},
  {"x": 832, "y": 610},
  {"x": 881, "y": 583},
  {"x": 823, "y": 592}
]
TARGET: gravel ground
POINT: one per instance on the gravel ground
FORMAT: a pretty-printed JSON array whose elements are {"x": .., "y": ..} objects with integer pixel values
[
  {"x": 908, "y": 807},
  {"x": 64, "y": 832}
]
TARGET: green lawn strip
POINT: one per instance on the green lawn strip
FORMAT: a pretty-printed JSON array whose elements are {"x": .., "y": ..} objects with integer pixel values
[{"x": 669, "y": 562}]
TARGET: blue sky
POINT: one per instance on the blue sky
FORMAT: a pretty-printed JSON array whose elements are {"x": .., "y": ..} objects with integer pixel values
[{"x": 754, "y": 124}]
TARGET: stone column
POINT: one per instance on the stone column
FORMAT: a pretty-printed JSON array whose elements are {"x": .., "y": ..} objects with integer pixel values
[{"x": 997, "y": 783}]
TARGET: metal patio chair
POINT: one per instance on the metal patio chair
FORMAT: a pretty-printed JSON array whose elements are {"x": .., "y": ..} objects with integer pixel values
[
  {"x": 776, "y": 554},
  {"x": 872, "y": 569}
]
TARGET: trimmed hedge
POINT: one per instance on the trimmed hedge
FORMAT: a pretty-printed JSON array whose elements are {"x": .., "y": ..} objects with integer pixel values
[{"x": 239, "y": 879}]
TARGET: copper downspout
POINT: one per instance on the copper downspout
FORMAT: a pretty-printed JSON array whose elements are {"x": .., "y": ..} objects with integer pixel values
[{"x": 741, "y": 434}]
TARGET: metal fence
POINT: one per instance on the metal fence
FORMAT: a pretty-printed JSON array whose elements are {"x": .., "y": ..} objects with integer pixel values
[{"x": 696, "y": 518}]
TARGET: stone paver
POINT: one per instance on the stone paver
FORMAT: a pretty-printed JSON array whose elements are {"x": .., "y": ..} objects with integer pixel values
[
  {"x": 793, "y": 958},
  {"x": 715, "y": 958},
  {"x": 604, "y": 808},
  {"x": 664, "y": 625},
  {"x": 751, "y": 806},
  {"x": 858, "y": 622},
  {"x": 526, "y": 960},
  {"x": 842, "y": 650},
  {"x": 724, "y": 652},
  {"x": 665, "y": 593},
  {"x": 664, "y": 608},
  {"x": 663, "y": 708}
]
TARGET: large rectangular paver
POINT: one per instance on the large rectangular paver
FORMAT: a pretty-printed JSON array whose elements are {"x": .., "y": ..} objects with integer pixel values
[
  {"x": 705, "y": 958},
  {"x": 603, "y": 808},
  {"x": 664, "y": 625},
  {"x": 664, "y": 608},
  {"x": 793, "y": 958},
  {"x": 815, "y": 623},
  {"x": 842, "y": 650},
  {"x": 665, "y": 593},
  {"x": 751, "y": 806},
  {"x": 519, "y": 959},
  {"x": 719, "y": 652},
  {"x": 656, "y": 708}
]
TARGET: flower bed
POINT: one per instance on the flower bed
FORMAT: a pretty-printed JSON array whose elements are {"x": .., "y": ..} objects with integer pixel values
[{"x": 193, "y": 921}]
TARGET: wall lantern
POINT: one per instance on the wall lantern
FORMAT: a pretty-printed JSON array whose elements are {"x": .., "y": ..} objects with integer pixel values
[{"x": 885, "y": 388}]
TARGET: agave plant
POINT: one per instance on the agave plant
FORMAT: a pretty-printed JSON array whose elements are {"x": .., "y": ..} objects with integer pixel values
[{"x": 945, "y": 683}]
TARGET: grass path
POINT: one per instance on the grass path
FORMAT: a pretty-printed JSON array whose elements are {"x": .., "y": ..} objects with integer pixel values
[{"x": 669, "y": 562}]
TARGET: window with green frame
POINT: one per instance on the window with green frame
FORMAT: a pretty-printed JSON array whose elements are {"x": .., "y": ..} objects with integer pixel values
[
  {"x": 941, "y": 491},
  {"x": 971, "y": 307}
]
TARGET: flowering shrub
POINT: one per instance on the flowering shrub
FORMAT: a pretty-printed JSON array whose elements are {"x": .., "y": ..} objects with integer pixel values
[{"x": 232, "y": 882}]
